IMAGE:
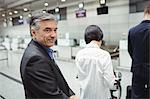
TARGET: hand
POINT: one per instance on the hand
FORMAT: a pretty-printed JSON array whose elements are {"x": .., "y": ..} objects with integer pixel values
[{"x": 73, "y": 97}]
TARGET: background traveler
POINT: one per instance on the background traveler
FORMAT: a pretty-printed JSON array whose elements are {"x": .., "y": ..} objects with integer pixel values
[
  {"x": 139, "y": 50},
  {"x": 95, "y": 70}
]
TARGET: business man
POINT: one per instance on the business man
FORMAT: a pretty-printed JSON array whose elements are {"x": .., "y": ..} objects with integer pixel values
[
  {"x": 139, "y": 50},
  {"x": 42, "y": 78}
]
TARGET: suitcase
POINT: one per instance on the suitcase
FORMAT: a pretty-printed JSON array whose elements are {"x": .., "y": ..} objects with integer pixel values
[{"x": 128, "y": 96}]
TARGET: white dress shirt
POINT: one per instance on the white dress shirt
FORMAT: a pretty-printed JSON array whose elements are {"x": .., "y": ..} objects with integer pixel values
[{"x": 95, "y": 72}]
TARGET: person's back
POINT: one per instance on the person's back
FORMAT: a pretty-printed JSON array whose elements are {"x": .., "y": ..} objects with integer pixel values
[
  {"x": 93, "y": 61},
  {"x": 95, "y": 71},
  {"x": 139, "y": 50},
  {"x": 140, "y": 39}
]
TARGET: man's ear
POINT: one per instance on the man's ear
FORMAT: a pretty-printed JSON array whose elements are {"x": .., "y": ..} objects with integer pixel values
[{"x": 33, "y": 32}]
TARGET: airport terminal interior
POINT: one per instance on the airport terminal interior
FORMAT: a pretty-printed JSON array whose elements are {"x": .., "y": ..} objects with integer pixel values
[{"x": 115, "y": 18}]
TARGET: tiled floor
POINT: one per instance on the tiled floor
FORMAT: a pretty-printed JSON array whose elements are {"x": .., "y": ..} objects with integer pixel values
[{"x": 13, "y": 90}]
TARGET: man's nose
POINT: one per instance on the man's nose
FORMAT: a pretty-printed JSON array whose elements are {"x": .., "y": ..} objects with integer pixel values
[{"x": 53, "y": 34}]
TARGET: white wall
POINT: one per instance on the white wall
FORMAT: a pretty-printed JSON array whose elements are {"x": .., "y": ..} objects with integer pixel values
[
  {"x": 16, "y": 31},
  {"x": 115, "y": 23}
]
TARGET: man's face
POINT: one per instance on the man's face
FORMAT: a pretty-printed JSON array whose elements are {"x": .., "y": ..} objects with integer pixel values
[{"x": 47, "y": 33}]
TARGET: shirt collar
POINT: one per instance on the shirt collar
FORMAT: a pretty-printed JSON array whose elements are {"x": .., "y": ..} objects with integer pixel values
[
  {"x": 49, "y": 50},
  {"x": 92, "y": 45},
  {"x": 146, "y": 21}
]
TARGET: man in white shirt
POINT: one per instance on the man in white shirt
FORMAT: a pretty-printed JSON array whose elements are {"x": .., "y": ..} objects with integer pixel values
[{"x": 95, "y": 71}]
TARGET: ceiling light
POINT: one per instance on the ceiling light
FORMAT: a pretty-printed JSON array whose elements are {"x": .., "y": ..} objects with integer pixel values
[
  {"x": 5, "y": 20},
  {"x": 25, "y": 9},
  {"x": 57, "y": 9},
  {"x": 3, "y": 15},
  {"x": 29, "y": 15},
  {"x": 63, "y": 0},
  {"x": 21, "y": 17},
  {"x": 15, "y": 12},
  {"x": 102, "y": 2},
  {"x": 45, "y": 4},
  {"x": 10, "y": 13},
  {"x": 44, "y": 11},
  {"x": 10, "y": 18},
  {"x": 81, "y": 5}
]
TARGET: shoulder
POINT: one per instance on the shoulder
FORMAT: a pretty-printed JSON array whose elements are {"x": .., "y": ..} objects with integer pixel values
[
  {"x": 80, "y": 52},
  {"x": 32, "y": 51},
  {"x": 95, "y": 52},
  {"x": 134, "y": 28},
  {"x": 104, "y": 53},
  {"x": 138, "y": 27}
]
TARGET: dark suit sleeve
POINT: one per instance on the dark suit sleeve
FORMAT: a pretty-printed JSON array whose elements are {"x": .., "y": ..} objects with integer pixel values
[
  {"x": 130, "y": 50},
  {"x": 71, "y": 92},
  {"x": 41, "y": 81}
]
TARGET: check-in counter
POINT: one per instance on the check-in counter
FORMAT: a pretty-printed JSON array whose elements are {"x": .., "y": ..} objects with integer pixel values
[
  {"x": 66, "y": 52},
  {"x": 14, "y": 58},
  {"x": 125, "y": 59},
  {"x": 62, "y": 52},
  {"x": 66, "y": 42},
  {"x": 75, "y": 51}
]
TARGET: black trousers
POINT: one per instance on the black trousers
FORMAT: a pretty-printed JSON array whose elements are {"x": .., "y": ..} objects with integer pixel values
[{"x": 141, "y": 83}]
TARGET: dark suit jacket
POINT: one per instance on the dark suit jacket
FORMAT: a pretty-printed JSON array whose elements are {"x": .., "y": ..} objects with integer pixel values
[
  {"x": 139, "y": 46},
  {"x": 42, "y": 78}
]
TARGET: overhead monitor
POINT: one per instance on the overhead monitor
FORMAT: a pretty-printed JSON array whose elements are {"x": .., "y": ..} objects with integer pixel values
[
  {"x": 102, "y": 10},
  {"x": 80, "y": 13},
  {"x": 17, "y": 21}
]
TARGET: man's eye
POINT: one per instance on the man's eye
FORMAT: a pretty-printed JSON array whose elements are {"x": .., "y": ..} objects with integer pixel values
[
  {"x": 55, "y": 30},
  {"x": 47, "y": 30}
]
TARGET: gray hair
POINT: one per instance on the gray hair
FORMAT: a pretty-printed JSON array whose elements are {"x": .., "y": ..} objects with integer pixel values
[{"x": 35, "y": 20}]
